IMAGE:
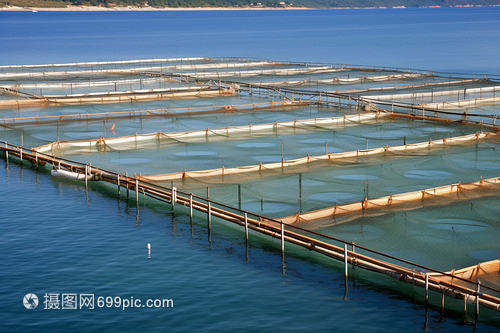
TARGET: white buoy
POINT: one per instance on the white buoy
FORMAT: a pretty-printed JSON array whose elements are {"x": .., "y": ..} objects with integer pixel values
[{"x": 149, "y": 250}]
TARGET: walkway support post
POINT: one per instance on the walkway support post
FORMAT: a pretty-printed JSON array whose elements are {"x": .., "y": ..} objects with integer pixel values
[
  {"x": 137, "y": 190},
  {"x": 282, "y": 237},
  {"x": 246, "y": 227},
  {"x": 345, "y": 261},
  {"x": 426, "y": 288}
]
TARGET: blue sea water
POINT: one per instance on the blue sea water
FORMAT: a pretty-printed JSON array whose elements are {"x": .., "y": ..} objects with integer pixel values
[
  {"x": 447, "y": 39},
  {"x": 57, "y": 238}
]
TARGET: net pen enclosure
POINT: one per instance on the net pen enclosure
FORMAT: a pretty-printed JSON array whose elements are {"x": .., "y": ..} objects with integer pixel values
[{"x": 394, "y": 170}]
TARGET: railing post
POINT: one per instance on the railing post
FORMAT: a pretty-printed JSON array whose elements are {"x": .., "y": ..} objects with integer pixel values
[
  {"x": 118, "y": 183},
  {"x": 465, "y": 306},
  {"x": 209, "y": 216},
  {"x": 126, "y": 176},
  {"x": 282, "y": 237},
  {"x": 172, "y": 195},
  {"x": 246, "y": 227},
  {"x": 191, "y": 206},
  {"x": 442, "y": 303},
  {"x": 478, "y": 293},
  {"x": 345, "y": 261},
  {"x": 426, "y": 288},
  {"x": 209, "y": 210},
  {"x": 137, "y": 190}
]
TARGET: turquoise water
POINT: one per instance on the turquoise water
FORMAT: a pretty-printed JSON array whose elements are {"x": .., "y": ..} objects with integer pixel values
[{"x": 55, "y": 239}]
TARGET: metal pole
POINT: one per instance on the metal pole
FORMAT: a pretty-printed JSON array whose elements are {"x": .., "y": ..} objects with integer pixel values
[
  {"x": 126, "y": 176},
  {"x": 172, "y": 195},
  {"x": 137, "y": 190},
  {"x": 442, "y": 304},
  {"x": 478, "y": 293},
  {"x": 209, "y": 210},
  {"x": 21, "y": 148},
  {"x": 191, "y": 206},
  {"x": 282, "y": 237},
  {"x": 118, "y": 183},
  {"x": 209, "y": 216},
  {"x": 465, "y": 306},
  {"x": 426, "y": 288},
  {"x": 246, "y": 227},
  {"x": 86, "y": 176},
  {"x": 345, "y": 261}
]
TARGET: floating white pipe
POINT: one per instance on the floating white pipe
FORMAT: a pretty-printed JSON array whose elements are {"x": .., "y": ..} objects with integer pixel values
[{"x": 67, "y": 174}]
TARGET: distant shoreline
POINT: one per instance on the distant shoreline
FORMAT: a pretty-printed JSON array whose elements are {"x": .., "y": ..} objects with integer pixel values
[{"x": 135, "y": 8}]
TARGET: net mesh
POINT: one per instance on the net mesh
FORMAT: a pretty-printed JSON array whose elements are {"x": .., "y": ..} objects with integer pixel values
[{"x": 285, "y": 161}]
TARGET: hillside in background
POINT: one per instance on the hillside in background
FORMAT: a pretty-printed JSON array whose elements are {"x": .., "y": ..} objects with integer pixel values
[{"x": 250, "y": 3}]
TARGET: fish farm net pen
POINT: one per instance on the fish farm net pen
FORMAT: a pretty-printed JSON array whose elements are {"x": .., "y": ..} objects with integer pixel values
[
  {"x": 393, "y": 154},
  {"x": 55, "y": 161},
  {"x": 343, "y": 96}
]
